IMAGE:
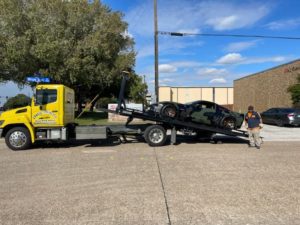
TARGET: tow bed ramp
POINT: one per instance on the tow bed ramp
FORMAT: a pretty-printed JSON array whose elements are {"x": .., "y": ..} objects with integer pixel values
[
  {"x": 155, "y": 134},
  {"x": 169, "y": 123}
]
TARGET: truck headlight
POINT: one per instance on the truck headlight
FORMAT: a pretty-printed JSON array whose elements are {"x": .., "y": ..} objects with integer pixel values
[{"x": 1, "y": 122}]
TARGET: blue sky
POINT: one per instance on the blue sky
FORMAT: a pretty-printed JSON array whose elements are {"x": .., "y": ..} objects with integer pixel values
[
  {"x": 207, "y": 61},
  {"x": 211, "y": 61}
]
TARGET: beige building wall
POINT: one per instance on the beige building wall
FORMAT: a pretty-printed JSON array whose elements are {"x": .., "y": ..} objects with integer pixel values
[
  {"x": 207, "y": 94},
  {"x": 230, "y": 96},
  {"x": 266, "y": 89},
  {"x": 222, "y": 96},
  {"x": 165, "y": 94}
]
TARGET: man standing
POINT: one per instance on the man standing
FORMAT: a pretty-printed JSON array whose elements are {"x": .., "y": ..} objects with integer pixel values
[{"x": 254, "y": 122}]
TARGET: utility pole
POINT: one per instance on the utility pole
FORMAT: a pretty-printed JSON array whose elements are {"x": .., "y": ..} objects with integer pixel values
[{"x": 156, "y": 51}]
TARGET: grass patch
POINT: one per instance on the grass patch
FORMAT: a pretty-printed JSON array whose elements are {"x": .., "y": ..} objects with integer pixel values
[
  {"x": 101, "y": 118},
  {"x": 89, "y": 118}
]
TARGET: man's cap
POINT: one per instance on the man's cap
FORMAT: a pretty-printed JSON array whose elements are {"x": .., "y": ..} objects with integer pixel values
[{"x": 250, "y": 107}]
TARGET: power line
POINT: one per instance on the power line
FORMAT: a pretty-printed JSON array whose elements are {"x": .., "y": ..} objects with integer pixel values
[{"x": 227, "y": 35}]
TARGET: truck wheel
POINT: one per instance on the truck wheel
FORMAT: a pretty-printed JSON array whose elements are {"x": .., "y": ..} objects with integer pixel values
[
  {"x": 18, "y": 138},
  {"x": 155, "y": 135}
]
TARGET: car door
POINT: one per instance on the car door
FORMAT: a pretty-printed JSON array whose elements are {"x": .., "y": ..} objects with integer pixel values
[
  {"x": 274, "y": 116},
  {"x": 46, "y": 107},
  {"x": 267, "y": 116},
  {"x": 279, "y": 116}
]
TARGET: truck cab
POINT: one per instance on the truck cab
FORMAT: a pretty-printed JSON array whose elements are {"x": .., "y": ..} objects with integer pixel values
[{"x": 47, "y": 118}]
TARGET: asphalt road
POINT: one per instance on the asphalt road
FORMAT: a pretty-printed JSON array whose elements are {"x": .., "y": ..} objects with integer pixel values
[{"x": 191, "y": 183}]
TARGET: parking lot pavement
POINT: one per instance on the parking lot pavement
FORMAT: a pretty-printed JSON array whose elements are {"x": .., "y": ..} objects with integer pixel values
[
  {"x": 232, "y": 184},
  {"x": 80, "y": 185},
  {"x": 191, "y": 183},
  {"x": 275, "y": 133}
]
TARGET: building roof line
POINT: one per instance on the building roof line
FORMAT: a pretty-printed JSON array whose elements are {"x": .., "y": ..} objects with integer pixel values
[
  {"x": 272, "y": 68},
  {"x": 193, "y": 87}
]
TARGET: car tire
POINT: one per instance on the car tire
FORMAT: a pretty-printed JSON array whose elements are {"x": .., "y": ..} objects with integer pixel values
[
  {"x": 229, "y": 123},
  {"x": 18, "y": 138},
  {"x": 280, "y": 123},
  {"x": 168, "y": 111},
  {"x": 155, "y": 135}
]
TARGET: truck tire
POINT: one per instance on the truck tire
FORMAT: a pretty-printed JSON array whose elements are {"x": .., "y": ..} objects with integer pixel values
[
  {"x": 155, "y": 135},
  {"x": 18, "y": 138}
]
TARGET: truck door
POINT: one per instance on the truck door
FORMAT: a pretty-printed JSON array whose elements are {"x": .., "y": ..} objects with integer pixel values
[{"x": 46, "y": 108}]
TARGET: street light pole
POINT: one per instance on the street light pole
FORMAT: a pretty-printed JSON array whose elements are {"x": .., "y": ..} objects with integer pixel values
[{"x": 156, "y": 52}]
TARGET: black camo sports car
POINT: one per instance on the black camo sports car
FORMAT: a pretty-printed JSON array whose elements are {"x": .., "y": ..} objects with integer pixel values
[{"x": 202, "y": 112}]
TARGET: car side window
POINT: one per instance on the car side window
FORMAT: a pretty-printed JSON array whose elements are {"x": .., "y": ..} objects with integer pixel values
[
  {"x": 201, "y": 106},
  {"x": 207, "y": 106},
  {"x": 270, "y": 111}
]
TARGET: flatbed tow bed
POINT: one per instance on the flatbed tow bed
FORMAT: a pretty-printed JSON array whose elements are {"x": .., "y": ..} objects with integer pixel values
[{"x": 155, "y": 134}]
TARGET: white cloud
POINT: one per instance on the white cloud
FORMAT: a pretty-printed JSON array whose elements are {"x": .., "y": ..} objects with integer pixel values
[
  {"x": 187, "y": 64},
  {"x": 167, "y": 68},
  {"x": 127, "y": 34},
  {"x": 274, "y": 59},
  {"x": 190, "y": 31},
  {"x": 166, "y": 46},
  {"x": 223, "y": 23},
  {"x": 167, "y": 80},
  {"x": 284, "y": 24},
  {"x": 236, "y": 58},
  {"x": 230, "y": 58},
  {"x": 179, "y": 15},
  {"x": 163, "y": 82},
  {"x": 218, "y": 81},
  {"x": 240, "y": 46},
  {"x": 237, "y": 16},
  {"x": 211, "y": 72}
]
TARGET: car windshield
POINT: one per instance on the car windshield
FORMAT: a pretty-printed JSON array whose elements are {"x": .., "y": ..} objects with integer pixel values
[
  {"x": 288, "y": 110},
  {"x": 191, "y": 103}
]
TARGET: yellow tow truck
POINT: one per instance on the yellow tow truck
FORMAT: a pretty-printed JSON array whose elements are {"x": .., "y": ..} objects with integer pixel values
[{"x": 50, "y": 117}]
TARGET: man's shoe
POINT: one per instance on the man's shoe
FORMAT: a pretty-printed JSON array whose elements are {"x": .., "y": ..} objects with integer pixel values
[{"x": 258, "y": 147}]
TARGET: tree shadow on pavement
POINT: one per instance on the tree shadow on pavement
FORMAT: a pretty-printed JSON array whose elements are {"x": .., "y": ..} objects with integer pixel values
[{"x": 218, "y": 139}]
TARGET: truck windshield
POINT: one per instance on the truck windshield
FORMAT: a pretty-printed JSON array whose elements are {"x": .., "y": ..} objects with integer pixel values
[{"x": 45, "y": 96}]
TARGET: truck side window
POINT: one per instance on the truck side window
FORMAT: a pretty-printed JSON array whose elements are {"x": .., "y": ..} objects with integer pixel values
[{"x": 45, "y": 96}]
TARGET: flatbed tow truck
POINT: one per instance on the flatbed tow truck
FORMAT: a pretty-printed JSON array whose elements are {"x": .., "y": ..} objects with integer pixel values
[{"x": 51, "y": 118}]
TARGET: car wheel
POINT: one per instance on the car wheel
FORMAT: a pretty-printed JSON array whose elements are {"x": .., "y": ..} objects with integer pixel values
[
  {"x": 280, "y": 123},
  {"x": 155, "y": 135},
  {"x": 168, "y": 111},
  {"x": 18, "y": 138},
  {"x": 229, "y": 123}
]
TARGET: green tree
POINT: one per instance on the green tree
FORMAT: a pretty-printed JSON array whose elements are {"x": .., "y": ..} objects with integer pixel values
[
  {"x": 79, "y": 43},
  {"x": 138, "y": 90},
  {"x": 20, "y": 100},
  {"x": 295, "y": 93}
]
